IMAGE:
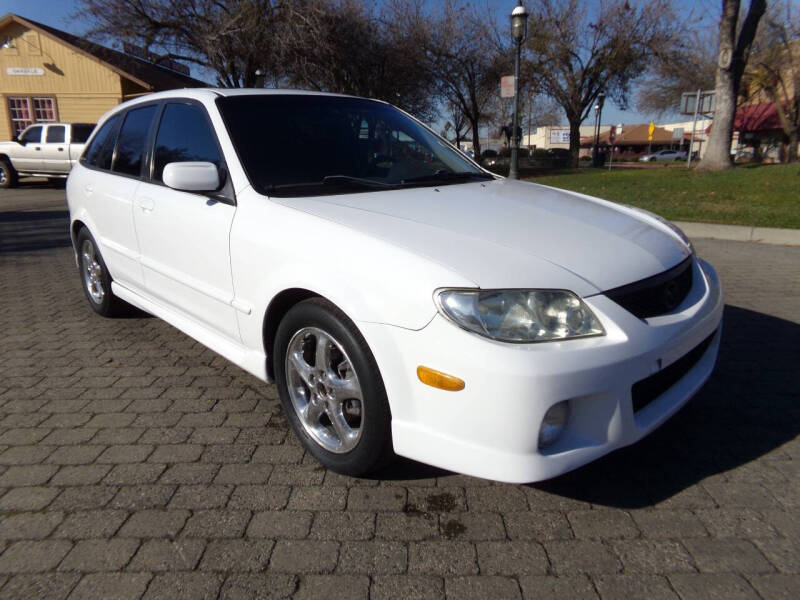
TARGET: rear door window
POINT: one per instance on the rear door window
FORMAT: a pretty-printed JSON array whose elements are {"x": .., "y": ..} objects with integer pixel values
[
  {"x": 56, "y": 134},
  {"x": 184, "y": 134},
  {"x": 131, "y": 141},
  {"x": 101, "y": 149}
]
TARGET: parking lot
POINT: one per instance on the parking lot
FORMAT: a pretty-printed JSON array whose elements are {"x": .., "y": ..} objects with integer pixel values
[{"x": 136, "y": 463}]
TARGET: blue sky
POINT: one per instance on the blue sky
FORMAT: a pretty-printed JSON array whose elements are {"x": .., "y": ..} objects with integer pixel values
[{"x": 57, "y": 13}]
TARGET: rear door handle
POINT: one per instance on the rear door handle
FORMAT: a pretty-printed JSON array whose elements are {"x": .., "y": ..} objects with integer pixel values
[
  {"x": 38, "y": 148},
  {"x": 60, "y": 149},
  {"x": 88, "y": 189},
  {"x": 146, "y": 204}
]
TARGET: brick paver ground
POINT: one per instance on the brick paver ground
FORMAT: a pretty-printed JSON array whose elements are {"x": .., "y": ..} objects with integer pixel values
[{"x": 135, "y": 463}]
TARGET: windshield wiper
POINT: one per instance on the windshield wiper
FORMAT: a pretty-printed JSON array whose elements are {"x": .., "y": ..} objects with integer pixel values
[
  {"x": 447, "y": 177},
  {"x": 355, "y": 181}
]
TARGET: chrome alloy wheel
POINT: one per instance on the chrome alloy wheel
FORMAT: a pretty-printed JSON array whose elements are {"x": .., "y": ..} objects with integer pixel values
[
  {"x": 324, "y": 390},
  {"x": 92, "y": 272}
]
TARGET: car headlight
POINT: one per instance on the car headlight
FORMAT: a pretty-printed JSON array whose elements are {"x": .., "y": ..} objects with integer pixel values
[{"x": 520, "y": 316}]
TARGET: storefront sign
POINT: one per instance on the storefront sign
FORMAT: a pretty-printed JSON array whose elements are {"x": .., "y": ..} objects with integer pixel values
[{"x": 24, "y": 71}]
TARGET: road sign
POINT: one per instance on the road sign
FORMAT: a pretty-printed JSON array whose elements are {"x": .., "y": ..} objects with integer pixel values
[
  {"x": 677, "y": 133},
  {"x": 700, "y": 101},
  {"x": 650, "y": 131},
  {"x": 507, "y": 85}
]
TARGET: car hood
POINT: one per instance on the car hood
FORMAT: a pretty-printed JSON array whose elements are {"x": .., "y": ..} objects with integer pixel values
[{"x": 510, "y": 234}]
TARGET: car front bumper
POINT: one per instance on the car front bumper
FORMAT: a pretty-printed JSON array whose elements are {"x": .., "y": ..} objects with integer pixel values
[{"x": 490, "y": 429}]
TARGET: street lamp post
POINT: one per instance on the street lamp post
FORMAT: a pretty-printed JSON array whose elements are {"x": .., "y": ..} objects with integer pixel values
[
  {"x": 598, "y": 112},
  {"x": 519, "y": 30}
]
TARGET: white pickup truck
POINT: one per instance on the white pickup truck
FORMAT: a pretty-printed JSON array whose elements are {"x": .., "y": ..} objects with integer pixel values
[{"x": 43, "y": 150}]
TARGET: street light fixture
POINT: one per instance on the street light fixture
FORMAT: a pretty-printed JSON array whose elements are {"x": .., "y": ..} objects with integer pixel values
[
  {"x": 519, "y": 31},
  {"x": 598, "y": 111}
]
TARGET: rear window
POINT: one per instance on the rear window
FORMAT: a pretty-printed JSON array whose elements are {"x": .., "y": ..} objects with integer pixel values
[
  {"x": 101, "y": 149},
  {"x": 81, "y": 132}
]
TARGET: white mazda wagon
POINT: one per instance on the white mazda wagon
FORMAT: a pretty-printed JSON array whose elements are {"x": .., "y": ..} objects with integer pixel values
[{"x": 403, "y": 300}]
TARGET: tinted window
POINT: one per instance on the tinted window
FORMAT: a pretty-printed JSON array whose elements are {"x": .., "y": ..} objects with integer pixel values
[
  {"x": 131, "y": 140},
  {"x": 32, "y": 136},
  {"x": 81, "y": 133},
  {"x": 294, "y": 145},
  {"x": 184, "y": 135},
  {"x": 56, "y": 134},
  {"x": 101, "y": 149}
]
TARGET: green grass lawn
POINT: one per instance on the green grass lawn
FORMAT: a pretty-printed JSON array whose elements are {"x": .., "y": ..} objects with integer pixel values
[{"x": 763, "y": 195}]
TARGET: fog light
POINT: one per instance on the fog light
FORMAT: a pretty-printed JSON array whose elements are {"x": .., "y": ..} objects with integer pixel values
[{"x": 555, "y": 419}]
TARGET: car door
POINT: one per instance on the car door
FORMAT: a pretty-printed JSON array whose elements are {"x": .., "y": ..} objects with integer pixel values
[
  {"x": 28, "y": 157},
  {"x": 108, "y": 190},
  {"x": 184, "y": 236},
  {"x": 55, "y": 151}
]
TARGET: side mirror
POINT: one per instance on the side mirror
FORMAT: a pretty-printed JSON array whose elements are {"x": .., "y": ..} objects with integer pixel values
[{"x": 192, "y": 176}]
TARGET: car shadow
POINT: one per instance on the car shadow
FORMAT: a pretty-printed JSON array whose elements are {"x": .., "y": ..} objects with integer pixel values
[
  {"x": 24, "y": 231},
  {"x": 749, "y": 407}
]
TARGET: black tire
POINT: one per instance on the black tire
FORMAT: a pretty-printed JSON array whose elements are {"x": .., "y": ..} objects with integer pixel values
[
  {"x": 374, "y": 446},
  {"x": 8, "y": 176},
  {"x": 107, "y": 304}
]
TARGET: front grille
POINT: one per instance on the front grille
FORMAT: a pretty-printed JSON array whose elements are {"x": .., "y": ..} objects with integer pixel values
[
  {"x": 655, "y": 295},
  {"x": 645, "y": 391}
]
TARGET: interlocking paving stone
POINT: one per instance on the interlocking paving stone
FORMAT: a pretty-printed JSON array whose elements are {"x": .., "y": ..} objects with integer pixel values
[
  {"x": 478, "y": 588},
  {"x": 127, "y": 446},
  {"x": 120, "y": 586},
  {"x": 99, "y": 555}
]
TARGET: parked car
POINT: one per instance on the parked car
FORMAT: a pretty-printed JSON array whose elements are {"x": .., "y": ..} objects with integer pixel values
[
  {"x": 403, "y": 299},
  {"x": 42, "y": 150},
  {"x": 663, "y": 156}
]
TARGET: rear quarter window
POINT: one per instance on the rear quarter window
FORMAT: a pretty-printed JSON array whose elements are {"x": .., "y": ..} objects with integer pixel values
[{"x": 100, "y": 150}]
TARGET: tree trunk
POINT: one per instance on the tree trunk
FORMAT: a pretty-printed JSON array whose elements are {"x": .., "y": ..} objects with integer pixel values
[
  {"x": 731, "y": 59},
  {"x": 791, "y": 155},
  {"x": 476, "y": 140},
  {"x": 574, "y": 141}
]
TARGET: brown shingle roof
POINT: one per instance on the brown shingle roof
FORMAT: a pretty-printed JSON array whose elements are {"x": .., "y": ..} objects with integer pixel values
[
  {"x": 148, "y": 75},
  {"x": 633, "y": 135}
]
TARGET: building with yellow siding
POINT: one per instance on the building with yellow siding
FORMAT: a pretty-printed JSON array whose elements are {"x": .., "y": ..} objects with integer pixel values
[{"x": 50, "y": 75}]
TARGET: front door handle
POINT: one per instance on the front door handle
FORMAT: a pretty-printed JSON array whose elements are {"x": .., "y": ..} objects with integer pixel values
[
  {"x": 89, "y": 189},
  {"x": 38, "y": 148},
  {"x": 60, "y": 149},
  {"x": 146, "y": 204}
]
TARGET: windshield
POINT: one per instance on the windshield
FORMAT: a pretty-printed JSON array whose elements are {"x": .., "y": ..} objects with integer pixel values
[{"x": 301, "y": 145}]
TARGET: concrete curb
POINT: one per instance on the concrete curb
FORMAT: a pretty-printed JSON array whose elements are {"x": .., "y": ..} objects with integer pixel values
[{"x": 741, "y": 233}]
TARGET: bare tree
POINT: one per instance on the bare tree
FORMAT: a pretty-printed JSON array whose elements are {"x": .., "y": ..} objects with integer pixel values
[
  {"x": 577, "y": 51},
  {"x": 687, "y": 65},
  {"x": 732, "y": 54},
  {"x": 349, "y": 46},
  {"x": 456, "y": 124},
  {"x": 464, "y": 59},
  {"x": 774, "y": 70},
  {"x": 234, "y": 38}
]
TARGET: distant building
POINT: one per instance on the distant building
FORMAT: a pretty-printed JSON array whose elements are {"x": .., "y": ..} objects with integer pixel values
[
  {"x": 633, "y": 141},
  {"x": 51, "y": 75}
]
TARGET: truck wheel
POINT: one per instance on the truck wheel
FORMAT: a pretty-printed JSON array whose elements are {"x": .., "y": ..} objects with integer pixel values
[{"x": 8, "y": 176}]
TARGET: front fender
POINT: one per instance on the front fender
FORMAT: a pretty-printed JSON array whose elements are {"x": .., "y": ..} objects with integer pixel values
[{"x": 275, "y": 248}]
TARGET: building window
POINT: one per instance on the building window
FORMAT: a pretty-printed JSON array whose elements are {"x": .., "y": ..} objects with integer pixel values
[
  {"x": 26, "y": 110},
  {"x": 44, "y": 109}
]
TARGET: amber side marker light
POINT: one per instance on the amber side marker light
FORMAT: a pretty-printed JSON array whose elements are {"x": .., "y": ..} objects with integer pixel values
[{"x": 439, "y": 380}]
